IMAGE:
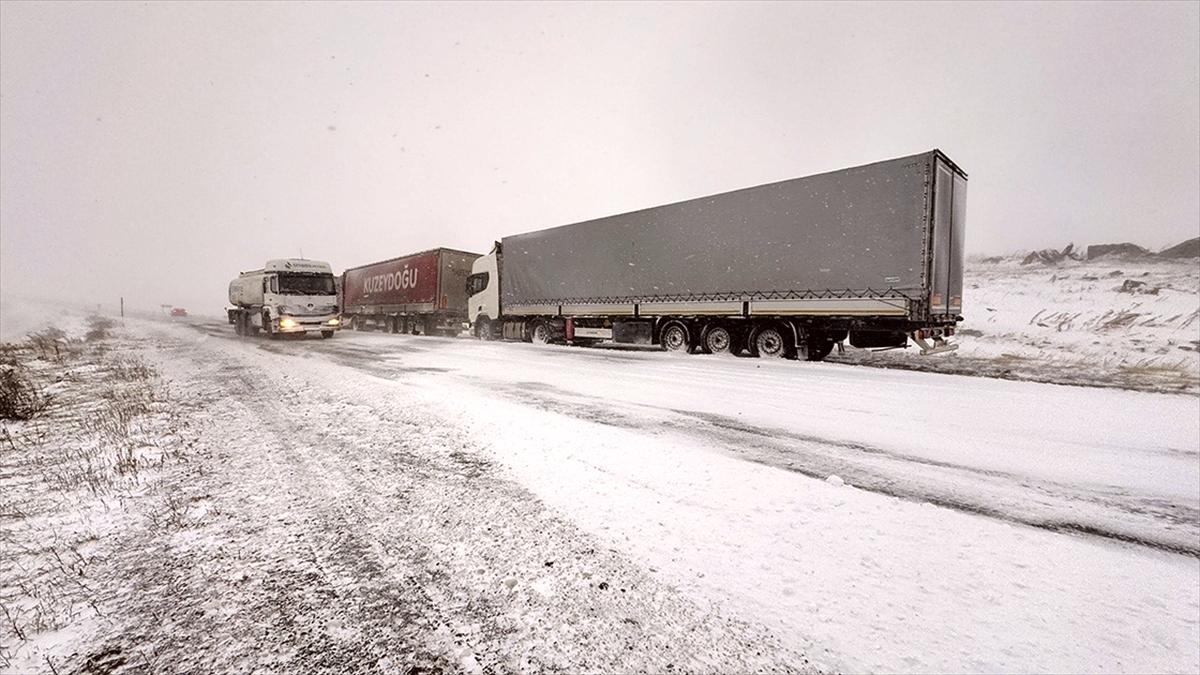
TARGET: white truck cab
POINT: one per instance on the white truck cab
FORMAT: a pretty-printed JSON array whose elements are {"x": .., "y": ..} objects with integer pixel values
[
  {"x": 288, "y": 295},
  {"x": 483, "y": 294}
]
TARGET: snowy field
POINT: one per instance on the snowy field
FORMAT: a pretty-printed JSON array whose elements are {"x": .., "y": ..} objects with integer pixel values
[
  {"x": 196, "y": 501},
  {"x": 1109, "y": 322}
]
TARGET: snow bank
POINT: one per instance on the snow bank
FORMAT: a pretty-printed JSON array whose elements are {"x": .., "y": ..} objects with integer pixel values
[{"x": 1132, "y": 324}]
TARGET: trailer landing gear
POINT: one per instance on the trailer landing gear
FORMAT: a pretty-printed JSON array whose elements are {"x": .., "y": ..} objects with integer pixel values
[{"x": 939, "y": 346}]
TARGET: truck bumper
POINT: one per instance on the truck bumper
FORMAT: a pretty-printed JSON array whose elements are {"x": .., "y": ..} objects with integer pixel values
[{"x": 307, "y": 324}]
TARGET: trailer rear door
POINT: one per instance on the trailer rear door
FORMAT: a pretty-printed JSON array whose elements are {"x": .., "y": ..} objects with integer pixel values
[{"x": 949, "y": 215}]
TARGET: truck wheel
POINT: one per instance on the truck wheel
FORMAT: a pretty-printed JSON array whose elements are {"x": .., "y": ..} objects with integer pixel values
[
  {"x": 483, "y": 330},
  {"x": 675, "y": 337},
  {"x": 540, "y": 334},
  {"x": 237, "y": 324},
  {"x": 770, "y": 343},
  {"x": 326, "y": 334},
  {"x": 818, "y": 350},
  {"x": 266, "y": 322},
  {"x": 718, "y": 340}
]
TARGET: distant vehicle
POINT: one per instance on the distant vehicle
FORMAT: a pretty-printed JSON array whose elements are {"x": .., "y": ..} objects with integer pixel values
[
  {"x": 872, "y": 254},
  {"x": 288, "y": 296},
  {"x": 178, "y": 312},
  {"x": 420, "y": 293}
]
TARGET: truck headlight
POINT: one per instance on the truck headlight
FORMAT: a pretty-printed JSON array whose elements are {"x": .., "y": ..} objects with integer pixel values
[
  {"x": 287, "y": 322},
  {"x": 334, "y": 322}
]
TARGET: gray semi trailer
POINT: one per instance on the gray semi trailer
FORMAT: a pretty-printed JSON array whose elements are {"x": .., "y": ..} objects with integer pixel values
[{"x": 872, "y": 254}]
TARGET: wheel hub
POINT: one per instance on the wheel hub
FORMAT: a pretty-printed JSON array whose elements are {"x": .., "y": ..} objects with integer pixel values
[
  {"x": 674, "y": 338},
  {"x": 718, "y": 340},
  {"x": 769, "y": 343}
]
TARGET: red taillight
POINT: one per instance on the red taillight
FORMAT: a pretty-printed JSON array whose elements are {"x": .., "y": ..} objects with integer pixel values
[
  {"x": 445, "y": 302},
  {"x": 570, "y": 329},
  {"x": 949, "y": 332}
]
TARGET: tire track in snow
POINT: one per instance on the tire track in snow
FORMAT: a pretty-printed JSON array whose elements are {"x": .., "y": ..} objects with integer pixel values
[
  {"x": 1158, "y": 524},
  {"x": 392, "y": 505},
  {"x": 993, "y": 494}
]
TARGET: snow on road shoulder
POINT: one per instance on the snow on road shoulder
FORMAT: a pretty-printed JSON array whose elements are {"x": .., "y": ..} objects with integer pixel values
[
  {"x": 352, "y": 482},
  {"x": 1108, "y": 322},
  {"x": 859, "y": 580}
]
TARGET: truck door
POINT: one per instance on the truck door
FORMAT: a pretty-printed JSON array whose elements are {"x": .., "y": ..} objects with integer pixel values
[{"x": 949, "y": 212}]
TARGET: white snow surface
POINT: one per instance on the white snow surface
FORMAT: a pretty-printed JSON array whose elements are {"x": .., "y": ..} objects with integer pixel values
[
  {"x": 1076, "y": 312},
  {"x": 960, "y": 541},
  {"x": 873, "y": 520},
  {"x": 1072, "y": 323}
]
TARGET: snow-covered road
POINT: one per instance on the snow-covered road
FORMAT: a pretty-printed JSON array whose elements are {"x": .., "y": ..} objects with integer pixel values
[{"x": 983, "y": 524}]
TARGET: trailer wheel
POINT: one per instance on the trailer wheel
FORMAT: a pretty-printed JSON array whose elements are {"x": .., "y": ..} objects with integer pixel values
[
  {"x": 819, "y": 349},
  {"x": 769, "y": 342},
  {"x": 718, "y": 340},
  {"x": 540, "y": 333},
  {"x": 675, "y": 337}
]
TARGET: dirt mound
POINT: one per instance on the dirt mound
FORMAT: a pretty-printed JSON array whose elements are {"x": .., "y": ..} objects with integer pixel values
[
  {"x": 1124, "y": 250},
  {"x": 1050, "y": 256},
  {"x": 1187, "y": 249}
]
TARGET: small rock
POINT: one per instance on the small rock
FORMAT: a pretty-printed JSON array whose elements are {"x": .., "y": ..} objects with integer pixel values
[
  {"x": 510, "y": 582},
  {"x": 835, "y": 479}
]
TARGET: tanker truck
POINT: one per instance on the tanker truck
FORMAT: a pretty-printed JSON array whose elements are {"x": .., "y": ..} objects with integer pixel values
[
  {"x": 420, "y": 293},
  {"x": 871, "y": 254},
  {"x": 288, "y": 296}
]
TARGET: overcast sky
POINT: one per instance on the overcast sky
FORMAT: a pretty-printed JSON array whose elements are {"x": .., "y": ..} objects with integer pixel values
[{"x": 153, "y": 150}]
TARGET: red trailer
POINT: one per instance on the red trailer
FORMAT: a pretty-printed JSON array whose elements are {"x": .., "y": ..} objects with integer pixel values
[{"x": 422, "y": 293}]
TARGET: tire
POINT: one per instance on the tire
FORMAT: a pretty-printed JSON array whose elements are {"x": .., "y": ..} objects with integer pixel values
[
  {"x": 718, "y": 340},
  {"x": 271, "y": 334},
  {"x": 238, "y": 327},
  {"x": 539, "y": 334},
  {"x": 675, "y": 337},
  {"x": 483, "y": 330},
  {"x": 326, "y": 334},
  {"x": 818, "y": 350},
  {"x": 769, "y": 342}
]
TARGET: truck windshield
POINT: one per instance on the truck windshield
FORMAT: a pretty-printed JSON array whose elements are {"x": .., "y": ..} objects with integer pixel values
[{"x": 305, "y": 284}]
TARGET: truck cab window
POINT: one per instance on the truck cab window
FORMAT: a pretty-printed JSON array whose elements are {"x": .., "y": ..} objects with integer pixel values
[
  {"x": 477, "y": 282},
  {"x": 303, "y": 284}
]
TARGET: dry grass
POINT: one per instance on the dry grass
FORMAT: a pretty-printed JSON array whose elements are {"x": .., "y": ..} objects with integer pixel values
[
  {"x": 68, "y": 469},
  {"x": 21, "y": 398}
]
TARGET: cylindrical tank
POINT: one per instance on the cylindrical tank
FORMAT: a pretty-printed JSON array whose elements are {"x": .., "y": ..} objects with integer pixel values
[{"x": 247, "y": 289}]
